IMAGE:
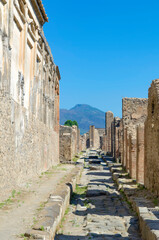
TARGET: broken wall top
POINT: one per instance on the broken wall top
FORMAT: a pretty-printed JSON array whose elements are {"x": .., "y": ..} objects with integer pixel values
[
  {"x": 153, "y": 100},
  {"x": 134, "y": 111}
]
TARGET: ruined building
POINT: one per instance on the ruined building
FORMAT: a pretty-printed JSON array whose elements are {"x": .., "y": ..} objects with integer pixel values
[
  {"x": 124, "y": 138},
  {"x": 71, "y": 143},
  {"x": 29, "y": 94},
  {"x": 134, "y": 113},
  {"x": 152, "y": 139},
  {"x": 95, "y": 137}
]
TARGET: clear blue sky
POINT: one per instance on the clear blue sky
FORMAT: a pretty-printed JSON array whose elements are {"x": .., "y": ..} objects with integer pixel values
[{"x": 105, "y": 49}]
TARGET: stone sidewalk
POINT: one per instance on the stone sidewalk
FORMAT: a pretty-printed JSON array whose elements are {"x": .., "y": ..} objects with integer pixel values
[
  {"x": 98, "y": 210},
  {"x": 36, "y": 210},
  {"x": 144, "y": 203}
]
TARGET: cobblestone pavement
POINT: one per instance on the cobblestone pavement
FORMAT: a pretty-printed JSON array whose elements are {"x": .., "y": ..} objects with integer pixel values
[{"x": 98, "y": 210}]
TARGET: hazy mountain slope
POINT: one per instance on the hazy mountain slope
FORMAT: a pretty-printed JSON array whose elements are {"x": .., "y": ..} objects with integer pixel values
[{"x": 85, "y": 115}]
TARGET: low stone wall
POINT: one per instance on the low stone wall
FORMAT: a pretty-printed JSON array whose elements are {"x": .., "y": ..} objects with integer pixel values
[{"x": 27, "y": 146}]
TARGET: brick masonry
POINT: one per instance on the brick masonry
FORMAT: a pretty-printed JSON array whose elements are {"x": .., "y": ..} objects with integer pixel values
[
  {"x": 28, "y": 147},
  {"x": 109, "y": 118},
  {"x": 140, "y": 164},
  {"x": 134, "y": 112},
  {"x": 152, "y": 139},
  {"x": 29, "y": 95}
]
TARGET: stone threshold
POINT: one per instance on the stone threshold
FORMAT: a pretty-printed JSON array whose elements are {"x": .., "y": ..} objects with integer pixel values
[
  {"x": 50, "y": 217},
  {"x": 140, "y": 199}
]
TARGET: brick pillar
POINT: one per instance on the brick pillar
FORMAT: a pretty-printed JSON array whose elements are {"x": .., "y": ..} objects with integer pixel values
[
  {"x": 140, "y": 154},
  {"x": 92, "y": 135},
  {"x": 109, "y": 118},
  {"x": 132, "y": 156},
  {"x": 127, "y": 150},
  {"x": 124, "y": 146}
]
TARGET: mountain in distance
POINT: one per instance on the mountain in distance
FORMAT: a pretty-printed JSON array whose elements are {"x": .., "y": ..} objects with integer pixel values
[{"x": 85, "y": 116}]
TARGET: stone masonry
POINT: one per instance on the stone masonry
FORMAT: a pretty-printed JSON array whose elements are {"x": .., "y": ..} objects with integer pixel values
[
  {"x": 29, "y": 95},
  {"x": 95, "y": 137},
  {"x": 109, "y": 118},
  {"x": 91, "y": 136},
  {"x": 66, "y": 143},
  {"x": 140, "y": 164},
  {"x": 101, "y": 132},
  {"x": 71, "y": 143},
  {"x": 134, "y": 112},
  {"x": 152, "y": 139},
  {"x": 116, "y": 138}
]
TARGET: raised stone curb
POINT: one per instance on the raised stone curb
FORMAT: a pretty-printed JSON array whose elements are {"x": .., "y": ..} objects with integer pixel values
[
  {"x": 49, "y": 218},
  {"x": 148, "y": 215}
]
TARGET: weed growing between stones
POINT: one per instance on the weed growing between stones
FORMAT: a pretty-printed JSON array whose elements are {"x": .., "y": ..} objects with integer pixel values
[
  {"x": 42, "y": 228},
  {"x": 126, "y": 199},
  {"x": 64, "y": 218},
  {"x": 23, "y": 236},
  {"x": 140, "y": 186},
  {"x": 75, "y": 159},
  {"x": 9, "y": 200},
  {"x": 81, "y": 190},
  {"x": 156, "y": 201}
]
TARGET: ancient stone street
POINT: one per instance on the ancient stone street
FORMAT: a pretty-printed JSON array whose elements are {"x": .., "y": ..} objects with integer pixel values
[{"x": 98, "y": 210}]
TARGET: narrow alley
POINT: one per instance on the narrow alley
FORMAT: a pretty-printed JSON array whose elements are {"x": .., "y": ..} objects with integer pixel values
[{"x": 98, "y": 210}]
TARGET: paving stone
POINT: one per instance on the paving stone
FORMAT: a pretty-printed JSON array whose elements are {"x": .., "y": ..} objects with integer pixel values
[{"x": 106, "y": 217}]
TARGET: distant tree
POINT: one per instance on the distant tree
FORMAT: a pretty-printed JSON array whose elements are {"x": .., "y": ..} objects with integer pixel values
[
  {"x": 71, "y": 123},
  {"x": 68, "y": 123},
  {"x": 74, "y": 123}
]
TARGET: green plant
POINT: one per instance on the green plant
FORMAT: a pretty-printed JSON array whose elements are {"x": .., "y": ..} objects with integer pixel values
[
  {"x": 71, "y": 123},
  {"x": 156, "y": 201},
  {"x": 42, "y": 228},
  {"x": 13, "y": 193},
  {"x": 75, "y": 159},
  {"x": 67, "y": 211},
  {"x": 34, "y": 220},
  {"x": 80, "y": 190},
  {"x": 140, "y": 187}
]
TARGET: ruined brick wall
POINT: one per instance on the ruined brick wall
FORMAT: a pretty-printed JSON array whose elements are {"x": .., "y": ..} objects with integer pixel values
[
  {"x": 66, "y": 153},
  {"x": 83, "y": 142},
  {"x": 134, "y": 112},
  {"x": 120, "y": 140},
  {"x": 78, "y": 141},
  {"x": 96, "y": 139},
  {"x": 104, "y": 144},
  {"x": 92, "y": 136},
  {"x": 74, "y": 140},
  {"x": 87, "y": 140},
  {"x": 29, "y": 94},
  {"x": 132, "y": 156},
  {"x": 152, "y": 139},
  {"x": 116, "y": 138},
  {"x": 27, "y": 146},
  {"x": 109, "y": 118},
  {"x": 140, "y": 161},
  {"x": 101, "y": 132}
]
